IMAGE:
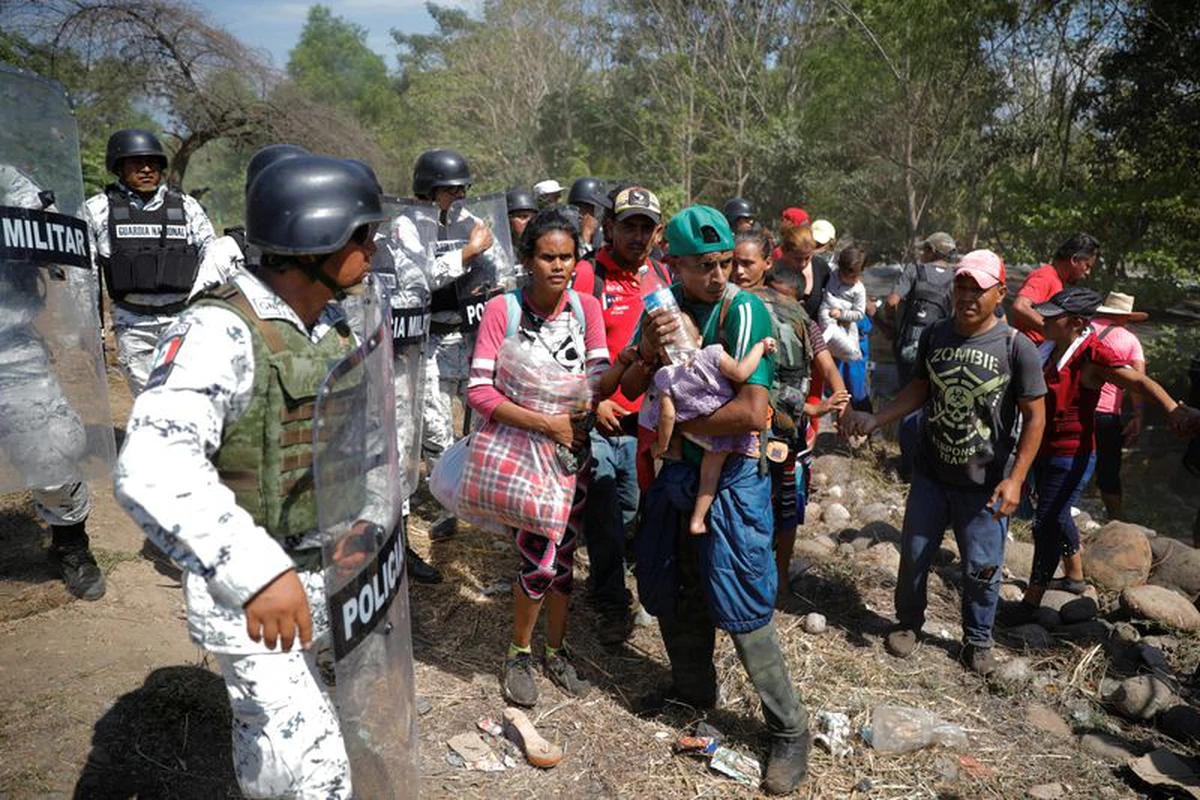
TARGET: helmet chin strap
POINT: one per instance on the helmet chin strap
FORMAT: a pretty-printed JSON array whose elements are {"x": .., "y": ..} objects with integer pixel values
[{"x": 317, "y": 273}]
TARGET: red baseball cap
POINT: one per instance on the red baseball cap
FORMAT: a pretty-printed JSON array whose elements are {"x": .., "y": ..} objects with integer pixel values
[
  {"x": 796, "y": 216},
  {"x": 985, "y": 268}
]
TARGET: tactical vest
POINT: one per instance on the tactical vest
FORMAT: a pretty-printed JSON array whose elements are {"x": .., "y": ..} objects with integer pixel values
[
  {"x": 266, "y": 456},
  {"x": 150, "y": 250},
  {"x": 793, "y": 360}
]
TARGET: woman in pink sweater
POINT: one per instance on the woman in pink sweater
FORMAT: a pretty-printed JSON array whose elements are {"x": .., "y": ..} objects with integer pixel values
[{"x": 570, "y": 329}]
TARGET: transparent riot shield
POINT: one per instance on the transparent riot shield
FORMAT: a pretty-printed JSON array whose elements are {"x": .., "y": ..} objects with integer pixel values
[
  {"x": 403, "y": 263},
  {"x": 491, "y": 272},
  {"x": 55, "y": 425},
  {"x": 356, "y": 480}
]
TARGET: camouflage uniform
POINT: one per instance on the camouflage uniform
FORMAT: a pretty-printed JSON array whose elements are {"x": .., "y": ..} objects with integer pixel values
[{"x": 207, "y": 511}]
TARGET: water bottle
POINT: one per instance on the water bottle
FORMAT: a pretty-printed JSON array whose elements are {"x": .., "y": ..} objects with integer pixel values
[{"x": 679, "y": 350}]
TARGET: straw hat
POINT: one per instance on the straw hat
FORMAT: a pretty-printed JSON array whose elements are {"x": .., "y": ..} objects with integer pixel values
[{"x": 1120, "y": 305}]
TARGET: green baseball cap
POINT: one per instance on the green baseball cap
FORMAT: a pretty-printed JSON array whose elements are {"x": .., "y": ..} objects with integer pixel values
[{"x": 697, "y": 230}]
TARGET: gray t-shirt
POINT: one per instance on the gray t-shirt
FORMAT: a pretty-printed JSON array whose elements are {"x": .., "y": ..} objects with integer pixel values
[{"x": 974, "y": 385}]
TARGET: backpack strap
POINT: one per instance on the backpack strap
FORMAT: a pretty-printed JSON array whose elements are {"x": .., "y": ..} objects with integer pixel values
[{"x": 512, "y": 308}]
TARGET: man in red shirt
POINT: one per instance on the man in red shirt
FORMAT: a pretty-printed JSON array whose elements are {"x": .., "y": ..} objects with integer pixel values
[
  {"x": 620, "y": 274},
  {"x": 1073, "y": 262}
]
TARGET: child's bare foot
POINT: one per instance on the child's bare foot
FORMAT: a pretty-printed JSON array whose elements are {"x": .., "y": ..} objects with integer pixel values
[{"x": 697, "y": 527}]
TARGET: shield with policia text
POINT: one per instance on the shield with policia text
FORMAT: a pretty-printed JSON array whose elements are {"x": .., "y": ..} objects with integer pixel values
[
  {"x": 55, "y": 425},
  {"x": 493, "y": 271},
  {"x": 356, "y": 477},
  {"x": 403, "y": 263}
]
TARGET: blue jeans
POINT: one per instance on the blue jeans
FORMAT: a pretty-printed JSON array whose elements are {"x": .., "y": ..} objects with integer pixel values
[
  {"x": 854, "y": 373},
  {"x": 931, "y": 506},
  {"x": 612, "y": 504},
  {"x": 1060, "y": 481}
]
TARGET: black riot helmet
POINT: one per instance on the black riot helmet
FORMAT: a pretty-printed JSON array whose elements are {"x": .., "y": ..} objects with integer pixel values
[
  {"x": 588, "y": 190},
  {"x": 518, "y": 199},
  {"x": 309, "y": 205},
  {"x": 437, "y": 168},
  {"x": 267, "y": 156},
  {"x": 738, "y": 208},
  {"x": 132, "y": 142},
  {"x": 368, "y": 171}
]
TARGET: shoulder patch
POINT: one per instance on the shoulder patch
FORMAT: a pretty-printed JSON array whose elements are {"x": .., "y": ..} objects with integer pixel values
[{"x": 164, "y": 357}]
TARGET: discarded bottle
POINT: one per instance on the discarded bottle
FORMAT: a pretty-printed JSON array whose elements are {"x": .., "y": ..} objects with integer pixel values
[
  {"x": 681, "y": 348},
  {"x": 902, "y": 729}
]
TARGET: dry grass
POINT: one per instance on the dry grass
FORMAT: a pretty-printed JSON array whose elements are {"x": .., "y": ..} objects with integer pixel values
[{"x": 460, "y": 637}]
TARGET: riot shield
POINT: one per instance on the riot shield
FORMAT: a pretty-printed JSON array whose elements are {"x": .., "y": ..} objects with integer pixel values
[
  {"x": 356, "y": 480},
  {"x": 55, "y": 425},
  {"x": 403, "y": 262},
  {"x": 491, "y": 272}
]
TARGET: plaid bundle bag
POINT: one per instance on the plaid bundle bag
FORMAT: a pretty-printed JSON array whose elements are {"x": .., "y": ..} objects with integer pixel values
[{"x": 512, "y": 475}]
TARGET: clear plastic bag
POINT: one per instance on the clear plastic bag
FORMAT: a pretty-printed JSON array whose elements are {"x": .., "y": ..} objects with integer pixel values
[
  {"x": 447, "y": 474},
  {"x": 902, "y": 729},
  {"x": 512, "y": 476}
]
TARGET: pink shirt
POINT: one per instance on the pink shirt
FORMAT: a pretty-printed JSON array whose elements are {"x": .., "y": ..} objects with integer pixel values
[
  {"x": 576, "y": 348},
  {"x": 1128, "y": 349}
]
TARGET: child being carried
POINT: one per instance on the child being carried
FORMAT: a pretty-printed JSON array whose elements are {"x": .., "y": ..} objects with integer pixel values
[{"x": 697, "y": 388}]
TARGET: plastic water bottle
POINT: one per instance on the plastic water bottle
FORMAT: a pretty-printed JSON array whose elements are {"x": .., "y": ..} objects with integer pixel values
[{"x": 679, "y": 350}]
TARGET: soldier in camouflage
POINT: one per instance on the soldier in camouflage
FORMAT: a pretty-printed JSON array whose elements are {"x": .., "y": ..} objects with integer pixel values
[{"x": 229, "y": 406}]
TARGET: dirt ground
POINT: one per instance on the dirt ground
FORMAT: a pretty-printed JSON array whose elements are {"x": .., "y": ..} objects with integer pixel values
[{"x": 110, "y": 700}]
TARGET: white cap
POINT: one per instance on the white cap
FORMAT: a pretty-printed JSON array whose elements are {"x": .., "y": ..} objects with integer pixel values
[
  {"x": 550, "y": 186},
  {"x": 823, "y": 232}
]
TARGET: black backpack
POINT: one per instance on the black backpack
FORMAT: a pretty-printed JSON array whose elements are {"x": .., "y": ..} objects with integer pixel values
[{"x": 924, "y": 305}]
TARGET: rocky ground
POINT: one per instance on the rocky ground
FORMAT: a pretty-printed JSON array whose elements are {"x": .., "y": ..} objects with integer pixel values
[{"x": 1097, "y": 698}]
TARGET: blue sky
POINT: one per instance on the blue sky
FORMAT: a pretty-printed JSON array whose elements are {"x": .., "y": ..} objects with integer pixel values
[{"x": 274, "y": 25}]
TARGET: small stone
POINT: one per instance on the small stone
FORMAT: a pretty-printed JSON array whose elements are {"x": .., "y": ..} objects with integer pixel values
[
  {"x": 1155, "y": 658},
  {"x": 813, "y": 550},
  {"x": 1176, "y": 566},
  {"x": 820, "y": 478},
  {"x": 1047, "y": 617},
  {"x": 1018, "y": 557},
  {"x": 813, "y": 511},
  {"x": 1181, "y": 722},
  {"x": 1012, "y": 675},
  {"x": 864, "y": 786},
  {"x": 1107, "y": 747},
  {"x": 1088, "y": 630},
  {"x": 947, "y": 767},
  {"x": 815, "y": 623},
  {"x": 422, "y": 705},
  {"x": 1078, "y": 609},
  {"x": 642, "y": 618},
  {"x": 1011, "y": 593},
  {"x": 861, "y": 543},
  {"x": 1032, "y": 636},
  {"x": 835, "y": 514},
  {"x": 883, "y": 556},
  {"x": 1046, "y": 719},
  {"x": 1126, "y": 632},
  {"x": 1047, "y": 791},
  {"x": 1161, "y": 605},
  {"x": 875, "y": 512},
  {"x": 1117, "y": 556},
  {"x": 1143, "y": 696},
  {"x": 1108, "y": 687},
  {"x": 1165, "y": 643},
  {"x": 835, "y": 492},
  {"x": 846, "y": 549}
]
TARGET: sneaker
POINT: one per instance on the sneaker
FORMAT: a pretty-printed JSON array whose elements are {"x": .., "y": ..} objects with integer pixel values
[
  {"x": 520, "y": 686},
  {"x": 614, "y": 626},
  {"x": 981, "y": 660},
  {"x": 444, "y": 528},
  {"x": 901, "y": 642},
  {"x": 786, "y": 765},
  {"x": 80, "y": 572},
  {"x": 560, "y": 669},
  {"x": 1068, "y": 585}
]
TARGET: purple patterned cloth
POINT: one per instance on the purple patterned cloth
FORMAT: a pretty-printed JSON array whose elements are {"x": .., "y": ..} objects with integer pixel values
[{"x": 698, "y": 389}]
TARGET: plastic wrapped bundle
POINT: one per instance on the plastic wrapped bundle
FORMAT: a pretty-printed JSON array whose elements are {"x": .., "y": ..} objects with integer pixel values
[{"x": 513, "y": 476}]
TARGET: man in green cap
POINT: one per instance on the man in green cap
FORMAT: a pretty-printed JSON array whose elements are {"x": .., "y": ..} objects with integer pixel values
[{"x": 726, "y": 577}]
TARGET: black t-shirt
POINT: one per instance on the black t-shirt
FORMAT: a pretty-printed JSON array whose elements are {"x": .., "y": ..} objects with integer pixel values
[
  {"x": 974, "y": 385},
  {"x": 820, "y": 275}
]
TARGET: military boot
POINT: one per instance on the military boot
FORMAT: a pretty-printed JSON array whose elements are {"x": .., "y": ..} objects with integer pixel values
[{"x": 80, "y": 572}]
